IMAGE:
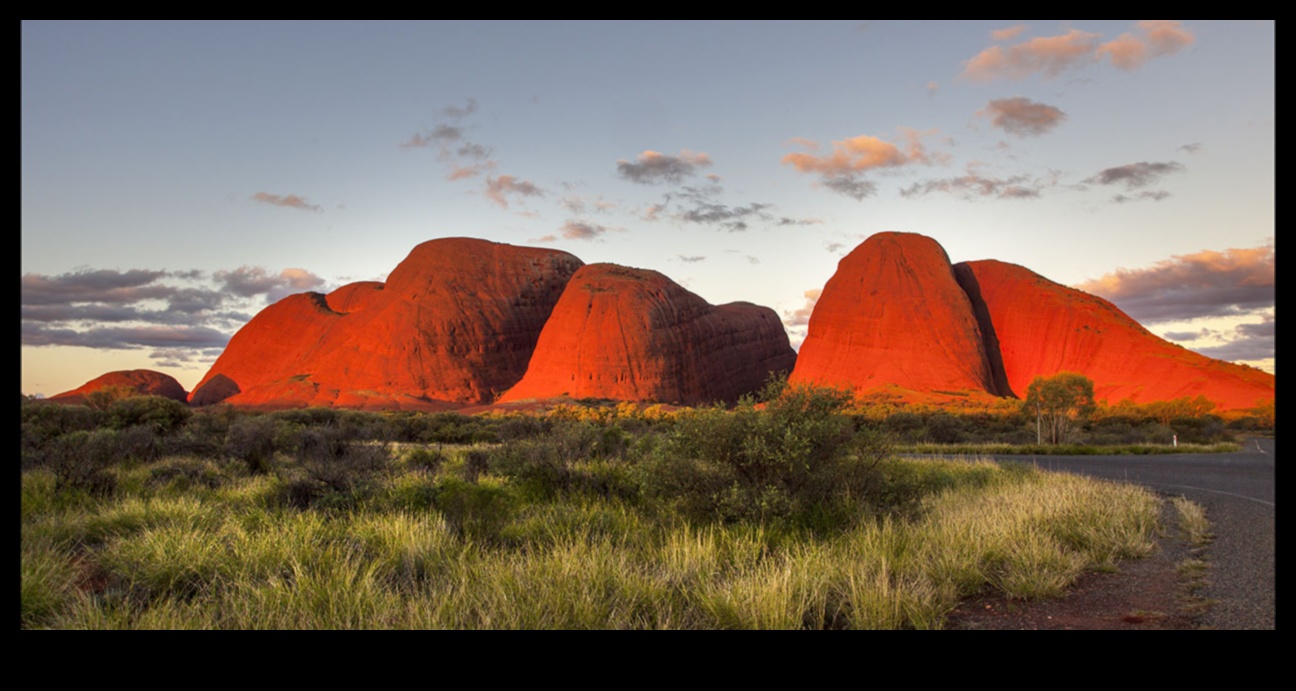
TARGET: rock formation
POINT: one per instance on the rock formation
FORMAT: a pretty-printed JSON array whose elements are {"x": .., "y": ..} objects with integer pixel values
[
  {"x": 1043, "y": 328},
  {"x": 455, "y": 323},
  {"x": 635, "y": 335},
  {"x": 142, "y": 381},
  {"x": 893, "y": 315}
]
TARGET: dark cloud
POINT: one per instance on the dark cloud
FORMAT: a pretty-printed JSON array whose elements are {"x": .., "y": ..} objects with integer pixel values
[
  {"x": 702, "y": 205},
  {"x": 159, "y": 310},
  {"x": 249, "y": 281},
  {"x": 1136, "y": 175},
  {"x": 651, "y": 167},
  {"x": 579, "y": 230},
  {"x": 850, "y": 185},
  {"x": 975, "y": 185},
  {"x": 290, "y": 201},
  {"x": 1204, "y": 284},
  {"x": 1023, "y": 117},
  {"x": 1154, "y": 195},
  {"x": 99, "y": 286},
  {"x": 124, "y": 337}
]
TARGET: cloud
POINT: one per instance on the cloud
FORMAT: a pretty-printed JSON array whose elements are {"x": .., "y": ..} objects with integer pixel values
[
  {"x": 290, "y": 201},
  {"x": 1007, "y": 34},
  {"x": 974, "y": 185},
  {"x": 439, "y": 136},
  {"x": 105, "y": 285},
  {"x": 579, "y": 230},
  {"x": 1154, "y": 195},
  {"x": 545, "y": 238},
  {"x": 690, "y": 260},
  {"x": 1192, "y": 148},
  {"x": 184, "y": 317},
  {"x": 702, "y": 205},
  {"x": 1022, "y": 117},
  {"x": 1136, "y": 175},
  {"x": 1050, "y": 55},
  {"x": 850, "y": 185},
  {"x": 1157, "y": 37},
  {"x": 801, "y": 315},
  {"x": 125, "y": 337},
  {"x": 497, "y": 188},
  {"x": 841, "y": 170},
  {"x": 456, "y": 113},
  {"x": 651, "y": 167},
  {"x": 581, "y": 205},
  {"x": 250, "y": 281},
  {"x": 1203, "y": 284}
]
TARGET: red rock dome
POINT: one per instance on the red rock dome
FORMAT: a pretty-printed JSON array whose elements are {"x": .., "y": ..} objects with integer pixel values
[
  {"x": 455, "y": 323},
  {"x": 894, "y": 315},
  {"x": 635, "y": 335},
  {"x": 142, "y": 381},
  {"x": 1043, "y": 328}
]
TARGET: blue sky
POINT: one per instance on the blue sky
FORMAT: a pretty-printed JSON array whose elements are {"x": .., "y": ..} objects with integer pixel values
[{"x": 179, "y": 176}]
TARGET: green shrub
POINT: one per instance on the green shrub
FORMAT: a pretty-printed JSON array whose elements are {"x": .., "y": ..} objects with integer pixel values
[
  {"x": 163, "y": 414},
  {"x": 330, "y": 459},
  {"x": 798, "y": 454},
  {"x": 253, "y": 440}
]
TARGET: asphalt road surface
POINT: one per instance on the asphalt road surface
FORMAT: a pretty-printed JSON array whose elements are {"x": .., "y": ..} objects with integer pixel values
[{"x": 1237, "y": 491}]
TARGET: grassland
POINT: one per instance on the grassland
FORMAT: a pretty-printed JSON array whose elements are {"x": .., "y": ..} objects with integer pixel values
[{"x": 786, "y": 516}]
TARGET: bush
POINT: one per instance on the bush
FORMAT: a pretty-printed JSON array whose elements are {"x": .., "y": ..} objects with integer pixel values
[
  {"x": 330, "y": 459},
  {"x": 798, "y": 455},
  {"x": 252, "y": 440},
  {"x": 163, "y": 414},
  {"x": 80, "y": 460}
]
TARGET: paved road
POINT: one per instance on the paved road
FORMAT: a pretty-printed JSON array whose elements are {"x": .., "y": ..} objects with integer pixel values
[{"x": 1237, "y": 491}]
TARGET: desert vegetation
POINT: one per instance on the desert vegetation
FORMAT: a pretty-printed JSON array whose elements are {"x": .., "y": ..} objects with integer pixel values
[{"x": 789, "y": 510}]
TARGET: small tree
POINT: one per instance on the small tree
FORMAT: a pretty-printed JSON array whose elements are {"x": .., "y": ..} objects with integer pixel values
[{"x": 1059, "y": 403}]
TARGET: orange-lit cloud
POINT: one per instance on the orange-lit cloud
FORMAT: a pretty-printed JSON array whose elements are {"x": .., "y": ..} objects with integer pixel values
[
  {"x": 1050, "y": 55},
  {"x": 498, "y": 188},
  {"x": 651, "y": 167},
  {"x": 1157, "y": 37},
  {"x": 1007, "y": 34},
  {"x": 1022, "y": 117},
  {"x": 1203, "y": 284},
  {"x": 801, "y": 316},
  {"x": 840, "y": 170},
  {"x": 291, "y": 201}
]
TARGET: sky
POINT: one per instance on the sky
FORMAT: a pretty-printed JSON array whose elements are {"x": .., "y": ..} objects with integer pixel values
[{"x": 177, "y": 177}]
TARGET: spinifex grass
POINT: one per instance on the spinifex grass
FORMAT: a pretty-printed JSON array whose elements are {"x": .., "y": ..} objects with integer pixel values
[{"x": 237, "y": 557}]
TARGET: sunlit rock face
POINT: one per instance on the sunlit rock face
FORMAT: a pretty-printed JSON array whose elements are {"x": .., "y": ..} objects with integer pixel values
[
  {"x": 894, "y": 315},
  {"x": 1043, "y": 328},
  {"x": 635, "y": 335},
  {"x": 142, "y": 381},
  {"x": 455, "y": 323}
]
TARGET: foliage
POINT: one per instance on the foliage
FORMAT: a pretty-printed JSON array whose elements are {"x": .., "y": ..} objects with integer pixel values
[
  {"x": 799, "y": 454},
  {"x": 1059, "y": 404},
  {"x": 163, "y": 414}
]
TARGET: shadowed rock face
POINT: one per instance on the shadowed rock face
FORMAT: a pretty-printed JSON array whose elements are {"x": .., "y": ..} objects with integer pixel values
[
  {"x": 1044, "y": 328},
  {"x": 141, "y": 381},
  {"x": 455, "y": 323},
  {"x": 635, "y": 335},
  {"x": 894, "y": 315}
]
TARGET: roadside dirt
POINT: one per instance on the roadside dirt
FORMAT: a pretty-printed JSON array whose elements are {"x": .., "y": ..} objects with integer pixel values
[{"x": 1146, "y": 594}]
